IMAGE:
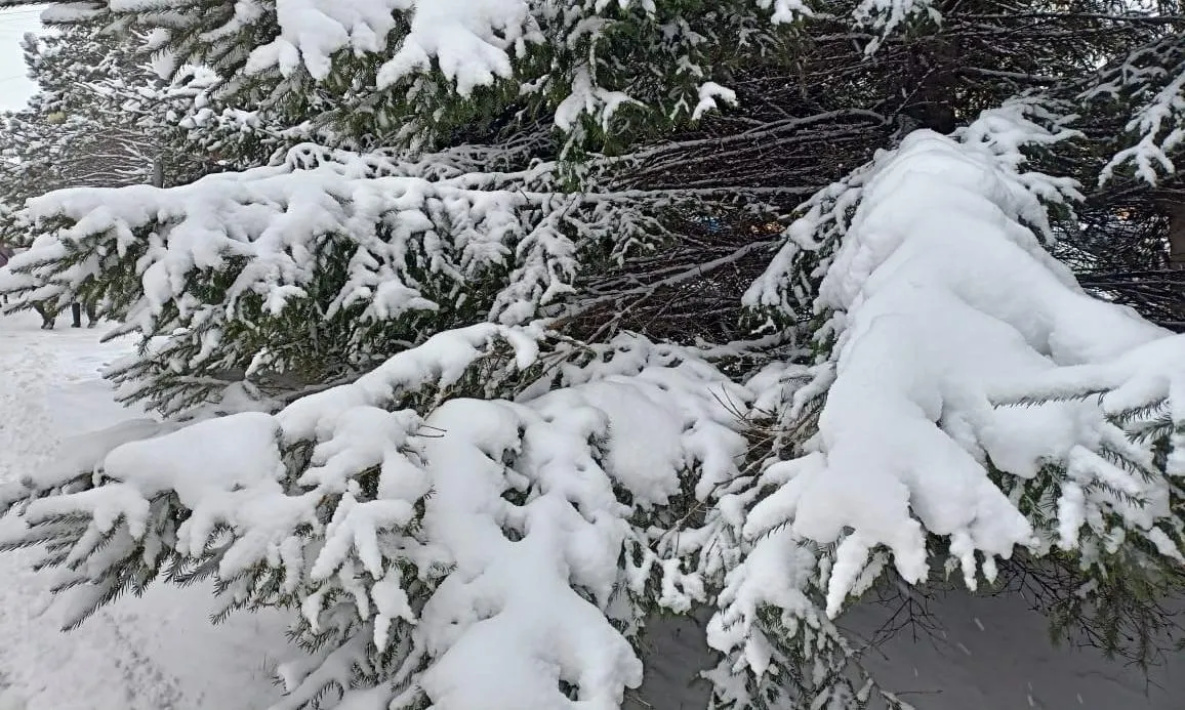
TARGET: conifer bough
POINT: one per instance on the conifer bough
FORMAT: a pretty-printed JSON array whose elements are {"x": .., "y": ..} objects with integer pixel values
[{"x": 459, "y": 379}]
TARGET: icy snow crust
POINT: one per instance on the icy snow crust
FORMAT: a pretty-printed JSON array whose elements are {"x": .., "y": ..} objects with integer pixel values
[{"x": 495, "y": 549}]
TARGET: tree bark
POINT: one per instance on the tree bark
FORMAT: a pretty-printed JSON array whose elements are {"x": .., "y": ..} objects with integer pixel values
[
  {"x": 1176, "y": 214},
  {"x": 158, "y": 172}
]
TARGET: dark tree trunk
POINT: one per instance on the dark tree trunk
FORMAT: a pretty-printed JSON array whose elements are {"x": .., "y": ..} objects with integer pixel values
[{"x": 1176, "y": 236}]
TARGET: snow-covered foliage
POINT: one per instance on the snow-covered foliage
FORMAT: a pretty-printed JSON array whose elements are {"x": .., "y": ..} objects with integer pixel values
[
  {"x": 481, "y": 553},
  {"x": 99, "y": 118},
  {"x": 400, "y": 394},
  {"x": 358, "y": 251},
  {"x": 578, "y": 61},
  {"x": 503, "y": 552},
  {"x": 1151, "y": 81},
  {"x": 924, "y": 351},
  {"x": 956, "y": 416}
]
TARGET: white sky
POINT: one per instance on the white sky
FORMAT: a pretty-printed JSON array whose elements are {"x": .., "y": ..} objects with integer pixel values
[{"x": 15, "y": 87}]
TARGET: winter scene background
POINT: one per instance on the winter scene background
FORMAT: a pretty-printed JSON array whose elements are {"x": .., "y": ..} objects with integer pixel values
[{"x": 589, "y": 354}]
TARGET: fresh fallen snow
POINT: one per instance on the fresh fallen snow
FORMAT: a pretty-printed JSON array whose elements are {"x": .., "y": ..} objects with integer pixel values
[
  {"x": 149, "y": 654},
  {"x": 160, "y": 652}
]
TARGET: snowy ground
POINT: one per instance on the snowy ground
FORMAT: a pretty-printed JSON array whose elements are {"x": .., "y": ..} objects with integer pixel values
[{"x": 160, "y": 653}]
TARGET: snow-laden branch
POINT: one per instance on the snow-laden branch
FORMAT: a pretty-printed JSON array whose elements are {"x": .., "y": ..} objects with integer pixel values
[
  {"x": 355, "y": 250},
  {"x": 1151, "y": 82},
  {"x": 442, "y": 49},
  {"x": 478, "y": 534},
  {"x": 942, "y": 299},
  {"x": 412, "y": 241},
  {"x": 452, "y": 506},
  {"x": 271, "y": 219}
]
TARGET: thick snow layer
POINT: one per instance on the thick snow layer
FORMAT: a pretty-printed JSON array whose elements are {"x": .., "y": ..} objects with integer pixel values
[{"x": 946, "y": 304}]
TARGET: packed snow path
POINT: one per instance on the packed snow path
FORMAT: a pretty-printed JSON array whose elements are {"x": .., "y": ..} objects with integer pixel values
[{"x": 160, "y": 653}]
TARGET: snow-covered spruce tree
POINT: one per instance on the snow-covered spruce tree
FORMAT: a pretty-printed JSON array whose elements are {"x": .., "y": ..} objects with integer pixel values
[
  {"x": 1127, "y": 239},
  {"x": 658, "y": 272},
  {"x": 101, "y": 117},
  {"x": 468, "y": 489}
]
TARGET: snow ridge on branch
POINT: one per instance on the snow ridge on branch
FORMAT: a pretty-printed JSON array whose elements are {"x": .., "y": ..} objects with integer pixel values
[{"x": 942, "y": 299}]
